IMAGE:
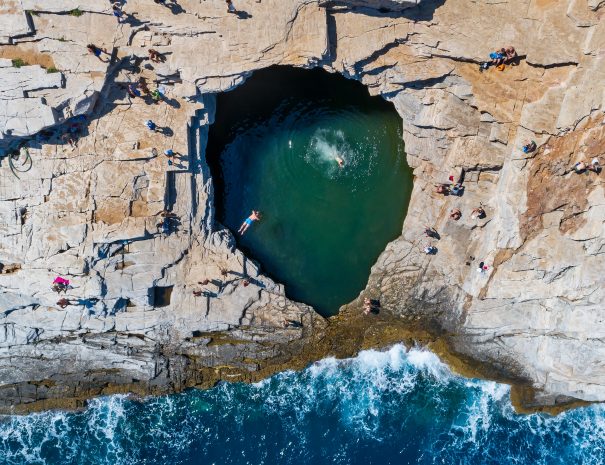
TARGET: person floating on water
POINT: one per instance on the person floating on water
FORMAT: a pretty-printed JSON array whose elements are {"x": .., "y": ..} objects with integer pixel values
[
  {"x": 254, "y": 216},
  {"x": 340, "y": 161}
]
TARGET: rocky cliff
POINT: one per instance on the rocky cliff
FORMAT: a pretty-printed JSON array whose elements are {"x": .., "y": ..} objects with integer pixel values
[{"x": 92, "y": 212}]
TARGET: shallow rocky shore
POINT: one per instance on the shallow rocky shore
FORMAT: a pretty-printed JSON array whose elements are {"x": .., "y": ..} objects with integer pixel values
[{"x": 534, "y": 318}]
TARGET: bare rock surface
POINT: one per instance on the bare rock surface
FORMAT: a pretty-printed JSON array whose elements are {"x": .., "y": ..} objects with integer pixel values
[{"x": 93, "y": 212}]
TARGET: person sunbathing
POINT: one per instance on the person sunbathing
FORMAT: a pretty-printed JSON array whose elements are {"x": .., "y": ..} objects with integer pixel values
[
  {"x": 579, "y": 167},
  {"x": 442, "y": 189},
  {"x": 510, "y": 53},
  {"x": 497, "y": 58},
  {"x": 155, "y": 56},
  {"x": 478, "y": 212},
  {"x": 529, "y": 147},
  {"x": 594, "y": 166}
]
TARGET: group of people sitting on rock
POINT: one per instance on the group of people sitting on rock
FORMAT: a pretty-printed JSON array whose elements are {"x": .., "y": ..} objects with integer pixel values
[
  {"x": 500, "y": 58},
  {"x": 582, "y": 166},
  {"x": 456, "y": 189},
  {"x": 579, "y": 167},
  {"x": 156, "y": 95}
]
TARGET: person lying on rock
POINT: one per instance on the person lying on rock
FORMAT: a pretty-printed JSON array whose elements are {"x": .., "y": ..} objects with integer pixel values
[
  {"x": 155, "y": 56},
  {"x": 457, "y": 190},
  {"x": 478, "y": 212},
  {"x": 67, "y": 138},
  {"x": 510, "y": 53},
  {"x": 63, "y": 302},
  {"x": 143, "y": 85},
  {"x": 529, "y": 147},
  {"x": 443, "y": 189},
  {"x": 579, "y": 167},
  {"x": 431, "y": 232},
  {"x": 60, "y": 285},
  {"x": 497, "y": 58},
  {"x": 117, "y": 11},
  {"x": 286, "y": 323},
  {"x": 594, "y": 166},
  {"x": 455, "y": 214},
  {"x": 254, "y": 216}
]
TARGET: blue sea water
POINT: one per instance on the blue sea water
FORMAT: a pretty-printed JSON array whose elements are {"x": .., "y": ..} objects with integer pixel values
[{"x": 391, "y": 407}]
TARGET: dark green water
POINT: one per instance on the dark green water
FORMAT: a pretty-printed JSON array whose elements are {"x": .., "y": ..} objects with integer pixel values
[{"x": 273, "y": 148}]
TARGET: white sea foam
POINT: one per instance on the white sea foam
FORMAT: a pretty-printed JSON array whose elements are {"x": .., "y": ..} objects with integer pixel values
[{"x": 464, "y": 421}]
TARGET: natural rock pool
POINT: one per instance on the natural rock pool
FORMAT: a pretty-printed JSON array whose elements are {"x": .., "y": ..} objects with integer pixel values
[{"x": 274, "y": 148}]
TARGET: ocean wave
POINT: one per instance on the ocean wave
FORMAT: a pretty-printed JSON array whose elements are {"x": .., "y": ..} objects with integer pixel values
[{"x": 393, "y": 406}]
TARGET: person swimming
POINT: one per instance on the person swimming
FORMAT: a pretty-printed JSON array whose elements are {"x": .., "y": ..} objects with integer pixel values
[
  {"x": 254, "y": 216},
  {"x": 340, "y": 161}
]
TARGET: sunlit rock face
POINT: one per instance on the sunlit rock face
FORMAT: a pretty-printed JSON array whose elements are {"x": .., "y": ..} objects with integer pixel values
[{"x": 93, "y": 213}]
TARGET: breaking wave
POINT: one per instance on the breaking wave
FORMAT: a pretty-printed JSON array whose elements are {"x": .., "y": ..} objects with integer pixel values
[{"x": 389, "y": 407}]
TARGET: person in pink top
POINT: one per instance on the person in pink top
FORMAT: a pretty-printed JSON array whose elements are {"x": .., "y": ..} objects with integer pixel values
[{"x": 60, "y": 284}]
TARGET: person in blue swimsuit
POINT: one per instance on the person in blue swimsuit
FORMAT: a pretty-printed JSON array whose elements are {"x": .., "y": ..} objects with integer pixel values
[{"x": 255, "y": 216}]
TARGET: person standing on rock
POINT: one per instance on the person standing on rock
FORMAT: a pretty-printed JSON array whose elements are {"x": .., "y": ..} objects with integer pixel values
[
  {"x": 170, "y": 156},
  {"x": 117, "y": 10},
  {"x": 151, "y": 125},
  {"x": 230, "y": 7},
  {"x": 96, "y": 51},
  {"x": 254, "y": 216}
]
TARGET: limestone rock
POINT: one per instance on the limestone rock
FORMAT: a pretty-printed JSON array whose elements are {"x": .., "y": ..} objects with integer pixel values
[{"x": 92, "y": 212}]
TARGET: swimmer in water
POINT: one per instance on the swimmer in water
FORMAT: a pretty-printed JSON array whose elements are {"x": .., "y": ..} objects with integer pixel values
[
  {"x": 255, "y": 216},
  {"x": 340, "y": 161}
]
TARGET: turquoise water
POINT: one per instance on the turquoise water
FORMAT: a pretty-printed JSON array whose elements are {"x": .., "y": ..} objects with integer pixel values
[
  {"x": 273, "y": 148},
  {"x": 392, "y": 407}
]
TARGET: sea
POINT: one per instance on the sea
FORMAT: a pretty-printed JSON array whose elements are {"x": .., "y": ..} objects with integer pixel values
[{"x": 397, "y": 406}]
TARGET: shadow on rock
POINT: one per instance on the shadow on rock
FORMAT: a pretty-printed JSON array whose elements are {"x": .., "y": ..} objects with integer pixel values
[{"x": 417, "y": 10}]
